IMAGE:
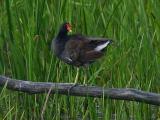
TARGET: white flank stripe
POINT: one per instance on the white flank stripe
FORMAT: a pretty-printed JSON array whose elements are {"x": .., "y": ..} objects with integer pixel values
[
  {"x": 69, "y": 59},
  {"x": 102, "y": 46}
]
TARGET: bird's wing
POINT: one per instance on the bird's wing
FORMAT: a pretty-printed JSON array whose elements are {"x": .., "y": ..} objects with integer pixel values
[
  {"x": 84, "y": 50},
  {"x": 97, "y": 44},
  {"x": 72, "y": 50},
  {"x": 94, "y": 48},
  {"x": 81, "y": 51},
  {"x": 97, "y": 39},
  {"x": 92, "y": 55}
]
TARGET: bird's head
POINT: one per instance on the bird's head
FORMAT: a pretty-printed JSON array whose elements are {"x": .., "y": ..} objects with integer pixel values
[{"x": 66, "y": 27}]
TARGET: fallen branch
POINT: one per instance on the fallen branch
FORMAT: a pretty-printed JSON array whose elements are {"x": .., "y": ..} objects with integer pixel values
[{"x": 80, "y": 90}]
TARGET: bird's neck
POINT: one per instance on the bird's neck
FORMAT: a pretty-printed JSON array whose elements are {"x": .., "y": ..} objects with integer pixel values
[{"x": 62, "y": 35}]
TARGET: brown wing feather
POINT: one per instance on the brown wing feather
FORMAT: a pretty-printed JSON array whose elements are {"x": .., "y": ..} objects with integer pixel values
[
  {"x": 81, "y": 51},
  {"x": 73, "y": 49},
  {"x": 92, "y": 55}
]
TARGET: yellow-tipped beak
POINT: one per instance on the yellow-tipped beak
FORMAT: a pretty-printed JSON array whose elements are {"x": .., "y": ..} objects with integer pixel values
[{"x": 70, "y": 30}]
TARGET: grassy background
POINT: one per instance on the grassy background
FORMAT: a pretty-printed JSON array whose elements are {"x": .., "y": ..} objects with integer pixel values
[{"x": 27, "y": 28}]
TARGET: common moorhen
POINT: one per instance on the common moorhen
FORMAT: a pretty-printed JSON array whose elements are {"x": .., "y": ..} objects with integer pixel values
[{"x": 78, "y": 50}]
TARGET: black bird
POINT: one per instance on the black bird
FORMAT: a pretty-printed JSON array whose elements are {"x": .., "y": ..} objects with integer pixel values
[{"x": 78, "y": 50}]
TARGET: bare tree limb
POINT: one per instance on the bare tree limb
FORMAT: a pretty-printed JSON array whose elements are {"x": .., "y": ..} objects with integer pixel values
[{"x": 80, "y": 90}]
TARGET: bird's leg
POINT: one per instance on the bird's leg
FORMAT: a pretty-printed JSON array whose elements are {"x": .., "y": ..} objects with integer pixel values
[
  {"x": 85, "y": 75},
  {"x": 75, "y": 80},
  {"x": 85, "y": 69},
  {"x": 85, "y": 102},
  {"x": 77, "y": 75}
]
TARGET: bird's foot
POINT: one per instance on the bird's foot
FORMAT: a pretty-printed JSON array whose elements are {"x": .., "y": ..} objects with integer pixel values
[{"x": 74, "y": 85}]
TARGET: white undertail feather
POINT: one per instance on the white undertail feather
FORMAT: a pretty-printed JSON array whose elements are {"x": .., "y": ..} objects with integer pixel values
[{"x": 102, "y": 46}]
